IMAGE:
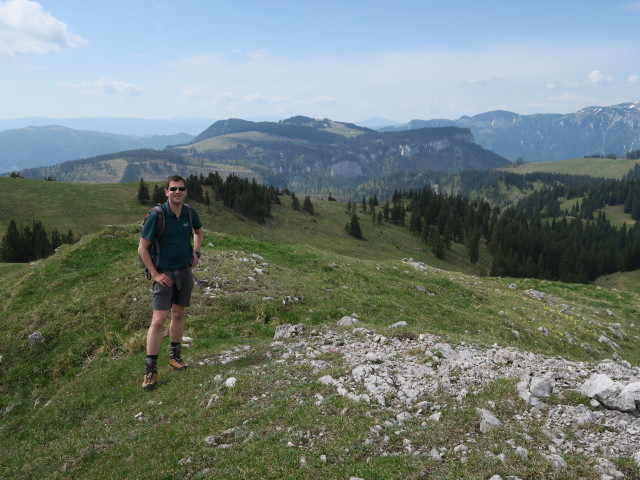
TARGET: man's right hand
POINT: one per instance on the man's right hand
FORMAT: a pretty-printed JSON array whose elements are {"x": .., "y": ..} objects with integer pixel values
[{"x": 162, "y": 279}]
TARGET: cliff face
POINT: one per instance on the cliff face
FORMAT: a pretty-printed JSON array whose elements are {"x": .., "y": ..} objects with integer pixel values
[
  {"x": 324, "y": 153},
  {"x": 540, "y": 137}
]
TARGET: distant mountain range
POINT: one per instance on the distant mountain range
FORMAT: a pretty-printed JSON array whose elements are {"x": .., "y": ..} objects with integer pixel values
[
  {"x": 542, "y": 137},
  {"x": 31, "y": 147},
  {"x": 301, "y": 153},
  {"x": 309, "y": 151},
  {"x": 141, "y": 127}
]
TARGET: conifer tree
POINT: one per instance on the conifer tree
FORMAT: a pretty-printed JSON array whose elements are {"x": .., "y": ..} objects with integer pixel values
[
  {"x": 353, "y": 227},
  {"x": 438, "y": 247},
  {"x": 10, "y": 245},
  {"x": 307, "y": 206},
  {"x": 295, "y": 203},
  {"x": 473, "y": 247},
  {"x": 158, "y": 195},
  {"x": 143, "y": 193}
]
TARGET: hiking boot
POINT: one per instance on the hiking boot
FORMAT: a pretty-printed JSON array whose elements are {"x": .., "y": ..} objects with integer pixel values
[
  {"x": 150, "y": 378},
  {"x": 176, "y": 362}
]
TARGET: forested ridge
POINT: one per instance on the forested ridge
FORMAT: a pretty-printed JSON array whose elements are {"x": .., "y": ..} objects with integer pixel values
[
  {"x": 248, "y": 198},
  {"x": 536, "y": 237},
  {"x": 31, "y": 242}
]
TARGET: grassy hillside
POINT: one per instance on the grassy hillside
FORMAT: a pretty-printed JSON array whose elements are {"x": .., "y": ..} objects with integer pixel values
[
  {"x": 72, "y": 407},
  {"x": 594, "y": 167},
  {"x": 88, "y": 208}
]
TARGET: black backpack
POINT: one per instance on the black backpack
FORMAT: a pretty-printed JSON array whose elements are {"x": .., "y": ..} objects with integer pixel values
[{"x": 154, "y": 249}]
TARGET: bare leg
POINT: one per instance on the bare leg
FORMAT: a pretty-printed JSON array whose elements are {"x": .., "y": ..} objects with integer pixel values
[
  {"x": 154, "y": 335},
  {"x": 176, "y": 328}
]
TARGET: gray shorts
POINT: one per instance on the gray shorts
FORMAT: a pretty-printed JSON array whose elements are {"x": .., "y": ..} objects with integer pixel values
[{"x": 179, "y": 293}]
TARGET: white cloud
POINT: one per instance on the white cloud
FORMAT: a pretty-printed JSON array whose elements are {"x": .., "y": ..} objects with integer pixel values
[
  {"x": 27, "y": 30},
  {"x": 194, "y": 92},
  {"x": 323, "y": 100},
  {"x": 571, "y": 99},
  {"x": 414, "y": 83},
  {"x": 118, "y": 87},
  {"x": 106, "y": 86},
  {"x": 255, "y": 54},
  {"x": 596, "y": 78},
  {"x": 633, "y": 6},
  {"x": 633, "y": 80},
  {"x": 223, "y": 98}
]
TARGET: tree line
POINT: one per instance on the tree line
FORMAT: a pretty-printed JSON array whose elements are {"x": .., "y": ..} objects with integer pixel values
[
  {"x": 578, "y": 244},
  {"x": 31, "y": 242},
  {"x": 536, "y": 238},
  {"x": 248, "y": 198}
]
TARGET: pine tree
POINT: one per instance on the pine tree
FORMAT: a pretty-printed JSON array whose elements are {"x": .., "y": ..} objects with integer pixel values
[
  {"x": 11, "y": 244},
  {"x": 354, "y": 227},
  {"x": 438, "y": 247},
  {"x": 295, "y": 203},
  {"x": 143, "y": 193},
  {"x": 158, "y": 195},
  {"x": 474, "y": 246},
  {"x": 307, "y": 206}
]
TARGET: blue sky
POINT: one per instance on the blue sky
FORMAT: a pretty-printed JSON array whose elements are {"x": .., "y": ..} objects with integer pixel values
[{"x": 344, "y": 60}]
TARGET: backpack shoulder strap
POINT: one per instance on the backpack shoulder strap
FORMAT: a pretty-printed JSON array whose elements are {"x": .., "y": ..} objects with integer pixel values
[
  {"x": 159, "y": 220},
  {"x": 190, "y": 213}
]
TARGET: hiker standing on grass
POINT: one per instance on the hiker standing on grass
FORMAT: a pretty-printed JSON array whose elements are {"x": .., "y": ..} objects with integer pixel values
[{"x": 172, "y": 277}]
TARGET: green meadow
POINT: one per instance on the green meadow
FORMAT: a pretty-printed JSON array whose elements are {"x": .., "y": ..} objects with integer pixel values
[{"x": 72, "y": 407}]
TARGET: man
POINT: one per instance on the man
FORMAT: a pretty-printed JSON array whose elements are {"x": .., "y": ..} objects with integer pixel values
[{"x": 173, "y": 281}]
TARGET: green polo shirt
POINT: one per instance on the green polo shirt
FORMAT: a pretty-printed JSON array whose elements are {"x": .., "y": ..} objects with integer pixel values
[{"x": 175, "y": 243}]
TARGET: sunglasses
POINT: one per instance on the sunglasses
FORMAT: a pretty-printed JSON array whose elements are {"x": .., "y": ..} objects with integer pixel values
[{"x": 173, "y": 189}]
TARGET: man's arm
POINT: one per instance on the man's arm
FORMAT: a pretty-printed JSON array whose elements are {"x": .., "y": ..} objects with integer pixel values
[
  {"x": 145, "y": 256},
  {"x": 197, "y": 244}
]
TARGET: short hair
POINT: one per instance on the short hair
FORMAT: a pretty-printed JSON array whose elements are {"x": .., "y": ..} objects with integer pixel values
[{"x": 174, "y": 178}]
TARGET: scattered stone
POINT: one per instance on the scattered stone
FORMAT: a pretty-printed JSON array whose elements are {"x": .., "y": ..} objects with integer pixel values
[
  {"x": 328, "y": 380},
  {"x": 230, "y": 382},
  {"x": 556, "y": 461},
  {"x": 522, "y": 453},
  {"x": 607, "y": 469},
  {"x": 347, "y": 321},
  {"x": 535, "y": 294},
  {"x": 396, "y": 374},
  {"x": 488, "y": 420},
  {"x": 36, "y": 338},
  {"x": 435, "y": 455},
  {"x": 399, "y": 324},
  {"x": 435, "y": 417},
  {"x": 289, "y": 299},
  {"x": 288, "y": 331},
  {"x": 403, "y": 417},
  {"x": 598, "y": 382},
  {"x": 609, "y": 342}
]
